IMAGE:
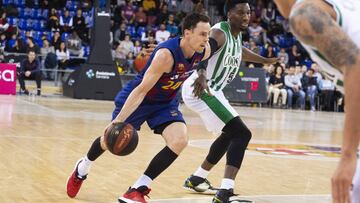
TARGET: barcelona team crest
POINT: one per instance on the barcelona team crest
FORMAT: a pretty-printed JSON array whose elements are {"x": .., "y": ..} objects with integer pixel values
[{"x": 180, "y": 69}]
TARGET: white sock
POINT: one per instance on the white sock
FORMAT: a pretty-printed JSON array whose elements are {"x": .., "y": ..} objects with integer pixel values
[
  {"x": 84, "y": 166},
  {"x": 201, "y": 172},
  {"x": 227, "y": 183},
  {"x": 143, "y": 180}
]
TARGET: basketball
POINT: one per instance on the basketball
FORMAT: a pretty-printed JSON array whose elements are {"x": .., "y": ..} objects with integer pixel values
[{"x": 121, "y": 139}]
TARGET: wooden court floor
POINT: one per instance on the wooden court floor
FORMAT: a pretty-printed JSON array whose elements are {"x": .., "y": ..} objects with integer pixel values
[{"x": 290, "y": 159}]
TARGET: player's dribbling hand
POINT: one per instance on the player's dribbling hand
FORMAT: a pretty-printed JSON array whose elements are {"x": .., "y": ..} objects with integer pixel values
[
  {"x": 110, "y": 125},
  {"x": 200, "y": 85},
  {"x": 342, "y": 180}
]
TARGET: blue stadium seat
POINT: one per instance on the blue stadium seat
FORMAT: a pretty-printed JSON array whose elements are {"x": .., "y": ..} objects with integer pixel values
[
  {"x": 38, "y": 13},
  {"x": 131, "y": 31},
  {"x": 11, "y": 21},
  {"x": 7, "y": 2},
  {"x": 22, "y": 24},
  {"x": 29, "y": 24},
  {"x": 36, "y": 25},
  {"x": 45, "y": 13},
  {"x": 21, "y": 12},
  {"x": 43, "y": 25},
  {"x": 141, "y": 30},
  {"x": 27, "y": 12},
  {"x": 64, "y": 36}
]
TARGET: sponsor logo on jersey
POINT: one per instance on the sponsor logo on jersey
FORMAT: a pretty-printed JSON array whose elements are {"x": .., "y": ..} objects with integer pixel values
[{"x": 231, "y": 61}]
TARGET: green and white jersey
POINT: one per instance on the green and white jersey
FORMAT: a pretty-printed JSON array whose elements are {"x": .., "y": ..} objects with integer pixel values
[
  {"x": 348, "y": 13},
  {"x": 224, "y": 65}
]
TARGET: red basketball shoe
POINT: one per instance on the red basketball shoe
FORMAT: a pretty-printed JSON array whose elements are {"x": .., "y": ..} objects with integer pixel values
[
  {"x": 74, "y": 182},
  {"x": 135, "y": 195}
]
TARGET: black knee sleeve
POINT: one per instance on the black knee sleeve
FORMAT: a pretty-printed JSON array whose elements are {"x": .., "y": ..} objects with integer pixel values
[
  {"x": 218, "y": 149},
  {"x": 240, "y": 138}
]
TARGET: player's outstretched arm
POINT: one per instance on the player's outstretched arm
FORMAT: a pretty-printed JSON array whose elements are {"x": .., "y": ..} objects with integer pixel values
[
  {"x": 313, "y": 24},
  {"x": 162, "y": 63},
  {"x": 250, "y": 56}
]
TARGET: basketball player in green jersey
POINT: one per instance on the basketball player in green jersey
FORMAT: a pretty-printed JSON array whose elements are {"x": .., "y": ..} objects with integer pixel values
[
  {"x": 330, "y": 31},
  {"x": 212, "y": 106}
]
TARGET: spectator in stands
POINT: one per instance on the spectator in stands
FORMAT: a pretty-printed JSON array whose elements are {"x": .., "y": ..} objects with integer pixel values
[
  {"x": 310, "y": 85},
  {"x": 162, "y": 16},
  {"x": 49, "y": 60},
  {"x": 4, "y": 25},
  {"x": 44, "y": 4},
  {"x": 150, "y": 41},
  {"x": 304, "y": 69},
  {"x": 53, "y": 23},
  {"x": 149, "y": 5},
  {"x": 31, "y": 45},
  {"x": 269, "y": 52},
  {"x": 186, "y": 6},
  {"x": 80, "y": 25},
  {"x": 294, "y": 55},
  {"x": 63, "y": 57},
  {"x": 137, "y": 47},
  {"x": 199, "y": 7},
  {"x": 128, "y": 13},
  {"x": 145, "y": 36},
  {"x": 56, "y": 40},
  {"x": 160, "y": 5},
  {"x": 277, "y": 86},
  {"x": 268, "y": 13},
  {"x": 3, "y": 41},
  {"x": 293, "y": 85},
  {"x": 298, "y": 71},
  {"x": 162, "y": 34},
  {"x": 171, "y": 26},
  {"x": 140, "y": 17},
  {"x": 327, "y": 90},
  {"x": 283, "y": 56},
  {"x": 86, "y": 5},
  {"x": 10, "y": 44},
  {"x": 15, "y": 44},
  {"x": 30, "y": 69},
  {"x": 120, "y": 33},
  {"x": 66, "y": 21},
  {"x": 118, "y": 53},
  {"x": 173, "y": 5},
  {"x": 317, "y": 74},
  {"x": 273, "y": 30},
  {"x": 256, "y": 32},
  {"x": 254, "y": 48},
  {"x": 74, "y": 44},
  {"x": 127, "y": 45}
]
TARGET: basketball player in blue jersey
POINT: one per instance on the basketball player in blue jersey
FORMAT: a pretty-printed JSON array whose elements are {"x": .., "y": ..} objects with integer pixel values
[
  {"x": 330, "y": 32},
  {"x": 151, "y": 97}
]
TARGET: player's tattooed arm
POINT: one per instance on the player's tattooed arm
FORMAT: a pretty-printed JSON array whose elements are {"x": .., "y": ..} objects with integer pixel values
[{"x": 314, "y": 26}]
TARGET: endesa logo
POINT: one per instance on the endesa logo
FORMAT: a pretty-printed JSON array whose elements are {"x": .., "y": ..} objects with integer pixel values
[{"x": 7, "y": 75}]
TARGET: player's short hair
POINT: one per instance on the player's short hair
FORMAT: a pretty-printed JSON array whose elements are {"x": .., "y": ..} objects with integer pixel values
[
  {"x": 192, "y": 19},
  {"x": 230, "y": 4}
]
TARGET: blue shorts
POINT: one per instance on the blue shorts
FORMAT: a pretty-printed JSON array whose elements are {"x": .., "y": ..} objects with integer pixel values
[{"x": 155, "y": 114}]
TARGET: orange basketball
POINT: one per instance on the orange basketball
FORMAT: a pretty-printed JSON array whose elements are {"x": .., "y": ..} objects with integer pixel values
[
  {"x": 140, "y": 62},
  {"x": 121, "y": 139}
]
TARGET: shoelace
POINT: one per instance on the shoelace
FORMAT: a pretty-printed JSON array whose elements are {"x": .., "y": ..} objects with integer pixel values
[{"x": 145, "y": 193}]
